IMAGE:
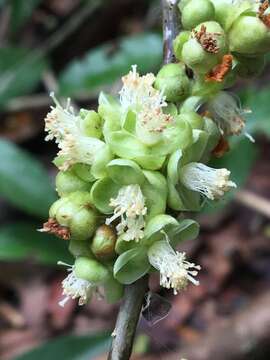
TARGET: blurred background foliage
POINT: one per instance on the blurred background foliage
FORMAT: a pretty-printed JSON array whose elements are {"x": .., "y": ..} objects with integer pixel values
[{"x": 75, "y": 48}]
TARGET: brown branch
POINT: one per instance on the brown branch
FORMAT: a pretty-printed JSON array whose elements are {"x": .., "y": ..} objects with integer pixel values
[
  {"x": 171, "y": 27},
  {"x": 127, "y": 320}
]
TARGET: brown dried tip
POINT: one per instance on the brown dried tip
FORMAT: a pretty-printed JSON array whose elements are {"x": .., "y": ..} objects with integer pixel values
[
  {"x": 219, "y": 72},
  {"x": 265, "y": 18},
  {"x": 207, "y": 40},
  {"x": 52, "y": 227},
  {"x": 221, "y": 148}
]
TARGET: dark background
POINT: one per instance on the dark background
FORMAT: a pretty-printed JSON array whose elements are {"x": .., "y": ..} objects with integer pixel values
[{"x": 76, "y": 48}]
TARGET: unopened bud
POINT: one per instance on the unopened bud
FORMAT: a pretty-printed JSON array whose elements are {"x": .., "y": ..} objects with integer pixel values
[
  {"x": 104, "y": 242},
  {"x": 90, "y": 270},
  {"x": 196, "y": 12}
]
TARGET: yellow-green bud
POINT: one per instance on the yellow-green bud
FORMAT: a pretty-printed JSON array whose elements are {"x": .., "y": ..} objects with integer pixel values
[
  {"x": 90, "y": 270},
  {"x": 91, "y": 123},
  {"x": 196, "y": 12},
  {"x": 104, "y": 242},
  {"x": 68, "y": 182},
  {"x": 249, "y": 36},
  {"x": 75, "y": 212},
  {"x": 173, "y": 81}
]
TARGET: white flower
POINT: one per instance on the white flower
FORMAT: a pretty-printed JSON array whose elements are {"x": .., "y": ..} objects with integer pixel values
[
  {"x": 175, "y": 270},
  {"x": 212, "y": 183},
  {"x": 139, "y": 95},
  {"x": 228, "y": 114},
  {"x": 64, "y": 126},
  {"x": 74, "y": 287},
  {"x": 129, "y": 206}
]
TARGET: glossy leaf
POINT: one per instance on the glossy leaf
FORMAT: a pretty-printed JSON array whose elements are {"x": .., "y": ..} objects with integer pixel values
[
  {"x": 70, "y": 347},
  {"x": 24, "y": 181},
  {"x": 21, "y": 241},
  {"x": 104, "y": 65},
  {"x": 20, "y": 72}
]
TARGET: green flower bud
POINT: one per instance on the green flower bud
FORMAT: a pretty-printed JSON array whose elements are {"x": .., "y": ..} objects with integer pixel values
[
  {"x": 249, "y": 36},
  {"x": 75, "y": 212},
  {"x": 173, "y": 81},
  {"x": 104, "y": 242},
  {"x": 178, "y": 43},
  {"x": 80, "y": 248},
  {"x": 196, "y": 12},
  {"x": 91, "y": 123},
  {"x": 205, "y": 48},
  {"x": 90, "y": 270},
  {"x": 68, "y": 182},
  {"x": 250, "y": 67}
]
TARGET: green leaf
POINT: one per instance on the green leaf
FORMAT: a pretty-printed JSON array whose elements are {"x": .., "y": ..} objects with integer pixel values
[
  {"x": 24, "y": 181},
  {"x": 20, "y": 72},
  {"x": 70, "y": 347},
  {"x": 131, "y": 265},
  {"x": 239, "y": 161},
  {"x": 21, "y": 241},
  {"x": 102, "y": 66},
  {"x": 21, "y": 11}
]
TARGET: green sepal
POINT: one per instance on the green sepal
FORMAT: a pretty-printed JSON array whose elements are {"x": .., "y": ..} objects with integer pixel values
[
  {"x": 186, "y": 229},
  {"x": 110, "y": 110},
  {"x": 123, "y": 245},
  {"x": 129, "y": 123},
  {"x": 125, "y": 172},
  {"x": 155, "y": 193},
  {"x": 67, "y": 182},
  {"x": 154, "y": 227},
  {"x": 102, "y": 191},
  {"x": 131, "y": 265},
  {"x": 102, "y": 158},
  {"x": 83, "y": 171}
]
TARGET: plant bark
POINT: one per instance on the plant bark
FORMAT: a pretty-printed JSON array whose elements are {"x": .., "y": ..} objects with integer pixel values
[
  {"x": 127, "y": 320},
  {"x": 171, "y": 28}
]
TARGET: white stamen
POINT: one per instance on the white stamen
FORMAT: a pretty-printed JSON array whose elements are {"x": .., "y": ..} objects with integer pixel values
[
  {"x": 175, "y": 270},
  {"x": 228, "y": 113},
  {"x": 64, "y": 126},
  {"x": 139, "y": 95},
  {"x": 74, "y": 287},
  {"x": 129, "y": 206},
  {"x": 212, "y": 183}
]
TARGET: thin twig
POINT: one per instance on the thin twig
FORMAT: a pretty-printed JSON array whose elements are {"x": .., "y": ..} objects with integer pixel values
[
  {"x": 170, "y": 28},
  {"x": 254, "y": 201},
  {"x": 127, "y": 320}
]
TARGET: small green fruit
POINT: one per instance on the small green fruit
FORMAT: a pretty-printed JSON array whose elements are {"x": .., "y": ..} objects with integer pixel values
[
  {"x": 249, "y": 36},
  {"x": 68, "y": 182},
  {"x": 90, "y": 270},
  {"x": 76, "y": 212},
  {"x": 173, "y": 81},
  {"x": 196, "y": 12},
  {"x": 103, "y": 243}
]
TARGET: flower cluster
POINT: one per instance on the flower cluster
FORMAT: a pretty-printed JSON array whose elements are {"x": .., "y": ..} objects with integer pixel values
[{"x": 127, "y": 167}]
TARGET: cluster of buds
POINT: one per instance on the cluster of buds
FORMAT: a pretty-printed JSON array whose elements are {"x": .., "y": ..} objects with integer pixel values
[{"x": 125, "y": 169}]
